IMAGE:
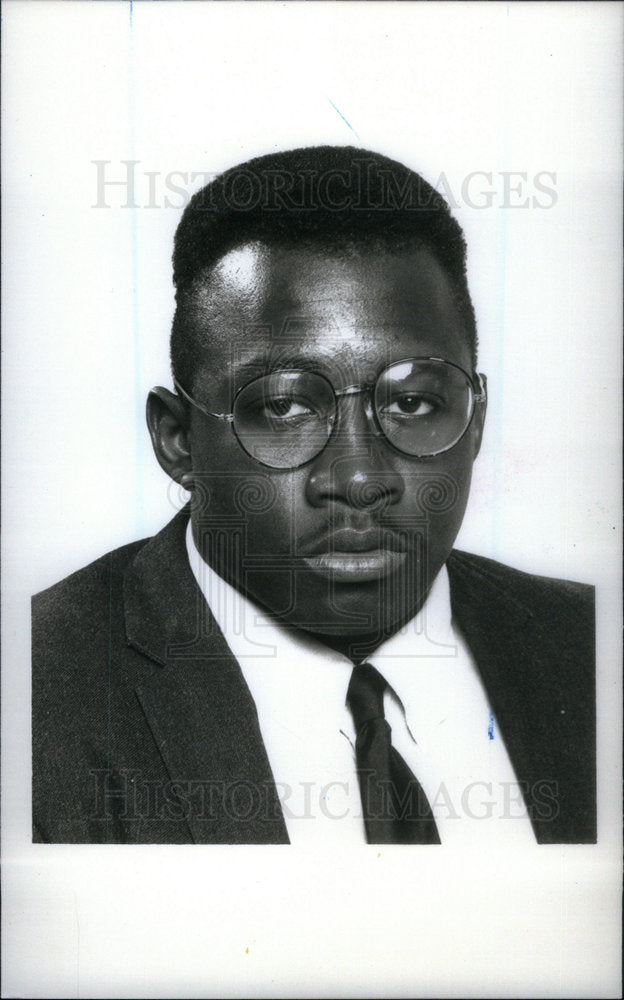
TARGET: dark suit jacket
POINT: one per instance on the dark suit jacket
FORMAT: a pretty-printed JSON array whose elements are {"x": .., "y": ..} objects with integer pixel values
[{"x": 144, "y": 730}]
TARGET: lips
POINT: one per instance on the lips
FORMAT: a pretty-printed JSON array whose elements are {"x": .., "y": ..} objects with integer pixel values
[{"x": 351, "y": 556}]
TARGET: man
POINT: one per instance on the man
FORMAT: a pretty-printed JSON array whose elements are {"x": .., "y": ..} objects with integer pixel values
[{"x": 300, "y": 655}]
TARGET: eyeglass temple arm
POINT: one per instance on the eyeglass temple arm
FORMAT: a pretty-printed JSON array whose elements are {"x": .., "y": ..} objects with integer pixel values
[{"x": 229, "y": 417}]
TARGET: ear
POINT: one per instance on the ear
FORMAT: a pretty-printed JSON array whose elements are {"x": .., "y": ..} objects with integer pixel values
[
  {"x": 478, "y": 420},
  {"x": 168, "y": 424}
]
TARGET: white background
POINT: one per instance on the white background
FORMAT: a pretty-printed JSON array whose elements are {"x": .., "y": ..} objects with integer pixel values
[{"x": 448, "y": 89}]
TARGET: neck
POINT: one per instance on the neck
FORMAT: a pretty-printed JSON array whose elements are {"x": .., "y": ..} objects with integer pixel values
[{"x": 357, "y": 648}]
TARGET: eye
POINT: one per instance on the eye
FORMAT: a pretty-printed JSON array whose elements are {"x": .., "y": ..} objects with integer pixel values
[
  {"x": 411, "y": 404},
  {"x": 286, "y": 408}
]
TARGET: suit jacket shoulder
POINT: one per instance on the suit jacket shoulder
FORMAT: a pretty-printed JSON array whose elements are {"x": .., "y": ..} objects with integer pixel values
[
  {"x": 69, "y": 601},
  {"x": 561, "y": 604},
  {"x": 528, "y": 586}
]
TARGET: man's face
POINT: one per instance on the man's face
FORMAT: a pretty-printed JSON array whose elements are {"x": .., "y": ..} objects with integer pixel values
[{"x": 348, "y": 544}]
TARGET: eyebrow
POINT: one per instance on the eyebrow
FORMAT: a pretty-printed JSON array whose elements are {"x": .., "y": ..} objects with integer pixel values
[{"x": 273, "y": 360}]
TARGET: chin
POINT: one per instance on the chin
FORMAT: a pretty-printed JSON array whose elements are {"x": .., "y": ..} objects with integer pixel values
[{"x": 365, "y": 611}]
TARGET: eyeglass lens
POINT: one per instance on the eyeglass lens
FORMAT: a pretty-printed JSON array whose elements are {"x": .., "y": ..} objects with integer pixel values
[{"x": 286, "y": 418}]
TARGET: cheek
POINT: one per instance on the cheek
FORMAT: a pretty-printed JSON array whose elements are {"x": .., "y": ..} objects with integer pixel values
[
  {"x": 262, "y": 509},
  {"x": 435, "y": 498},
  {"x": 447, "y": 503},
  {"x": 270, "y": 512}
]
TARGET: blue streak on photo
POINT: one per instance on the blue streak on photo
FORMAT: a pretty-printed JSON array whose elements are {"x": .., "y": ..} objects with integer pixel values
[
  {"x": 491, "y": 726},
  {"x": 133, "y": 223},
  {"x": 339, "y": 112}
]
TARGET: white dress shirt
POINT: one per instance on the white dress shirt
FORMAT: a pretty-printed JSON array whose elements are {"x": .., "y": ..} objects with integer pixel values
[{"x": 436, "y": 705}]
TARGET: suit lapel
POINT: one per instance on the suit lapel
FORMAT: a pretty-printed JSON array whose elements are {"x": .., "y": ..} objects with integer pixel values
[
  {"x": 528, "y": 668},
  {"x": 198, "y": 706}
]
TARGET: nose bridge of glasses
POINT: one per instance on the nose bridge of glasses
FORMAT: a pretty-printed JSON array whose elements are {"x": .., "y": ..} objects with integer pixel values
[
  {"x": 353, "y": 390},
  {"x": 357, "y": 389}
]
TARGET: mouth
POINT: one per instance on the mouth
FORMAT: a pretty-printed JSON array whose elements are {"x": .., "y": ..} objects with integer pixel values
[
  {"x": 356, "y": 567},
  {"x": 350, "y": 556}
]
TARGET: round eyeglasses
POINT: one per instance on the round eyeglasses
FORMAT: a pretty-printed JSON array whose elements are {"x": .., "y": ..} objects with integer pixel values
[{"x": 422, "y": 406}]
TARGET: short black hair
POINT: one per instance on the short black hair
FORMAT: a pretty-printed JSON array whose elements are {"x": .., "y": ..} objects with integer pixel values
[{"x": 331, "y": 198}]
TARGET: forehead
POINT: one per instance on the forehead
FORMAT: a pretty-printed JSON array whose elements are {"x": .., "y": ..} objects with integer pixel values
[{"x": 263, "y": 304}]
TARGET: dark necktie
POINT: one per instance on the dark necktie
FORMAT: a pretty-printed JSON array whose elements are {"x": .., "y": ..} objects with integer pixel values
[{"x": 396, "y": 810}]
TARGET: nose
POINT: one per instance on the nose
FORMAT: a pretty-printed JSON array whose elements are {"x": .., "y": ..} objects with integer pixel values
[{"x": 356, "y": 468}]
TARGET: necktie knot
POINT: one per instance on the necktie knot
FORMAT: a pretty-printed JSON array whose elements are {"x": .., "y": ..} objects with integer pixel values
[{"x": 365, "y": 695}]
